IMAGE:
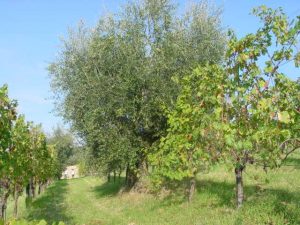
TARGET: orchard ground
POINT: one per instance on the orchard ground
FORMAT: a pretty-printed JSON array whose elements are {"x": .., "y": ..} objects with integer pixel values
[{"x": 271, "y": 198}]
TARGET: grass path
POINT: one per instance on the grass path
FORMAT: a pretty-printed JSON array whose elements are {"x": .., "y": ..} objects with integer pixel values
[{"x": 272, "y": 199}]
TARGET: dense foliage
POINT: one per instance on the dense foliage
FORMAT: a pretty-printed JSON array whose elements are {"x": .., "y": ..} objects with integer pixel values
[
  {"x": 115, "y": 85},
  {"x": 243, "y": 112},
  {"x": 113, "y": 82},
  {"x": 25, "y": 156},
  {"x": 192, "y": 142}
]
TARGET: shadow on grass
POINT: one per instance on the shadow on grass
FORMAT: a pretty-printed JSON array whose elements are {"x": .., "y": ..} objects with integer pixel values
[
  {"x": 282, "y": 201},
  {"x": 108, "y": 189},
  {"x": 292, "y": 161},
  {"x": 287, "y": 203},
  {"x": 223, "y": 190},
  {"x": 279, "y": 201},
  {"x": 50, "y": 205}
]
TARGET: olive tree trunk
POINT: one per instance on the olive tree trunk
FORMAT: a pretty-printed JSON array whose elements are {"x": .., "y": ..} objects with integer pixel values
[{"x": 131, "y": 178}]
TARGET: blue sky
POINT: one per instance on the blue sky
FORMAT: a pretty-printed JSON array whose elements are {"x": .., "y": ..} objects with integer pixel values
[{"x": 30, "y": 39}]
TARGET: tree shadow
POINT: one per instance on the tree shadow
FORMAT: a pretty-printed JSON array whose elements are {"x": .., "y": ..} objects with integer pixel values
[
  {"x": 283, "y": 201},
  {"x": 292, "y": 161},
  {"x": 178, "y": 193},
  {"x": 176, "y": 198},
  {"x": 50, "y": 206},
  {"x": 222, "y": 190},
  {"x": 109, "y": 189},
  {"x": 282, "y": 204}
]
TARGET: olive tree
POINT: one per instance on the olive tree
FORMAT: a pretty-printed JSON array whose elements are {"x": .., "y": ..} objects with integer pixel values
[{"x": 113, "y": 82}]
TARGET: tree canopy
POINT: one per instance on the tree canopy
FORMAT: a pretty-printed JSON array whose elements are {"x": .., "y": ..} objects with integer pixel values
[
  {"x": 113, "y": 82},
  {"x": 245, "y": 111}
]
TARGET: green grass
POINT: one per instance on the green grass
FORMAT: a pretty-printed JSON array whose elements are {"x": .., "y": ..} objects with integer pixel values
[{"x": 272, "y": 198}]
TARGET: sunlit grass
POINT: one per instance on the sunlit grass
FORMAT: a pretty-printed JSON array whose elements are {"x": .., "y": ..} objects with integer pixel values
[{"x": 271, "y": 198}]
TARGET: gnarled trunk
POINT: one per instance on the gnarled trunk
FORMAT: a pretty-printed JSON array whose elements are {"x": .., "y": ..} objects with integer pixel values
[
  {"x": 134, "y": 180},
  {"x": 131, "y": 178},
  {"x": 139, "y": 182},
  {"x": 239, "y": 186}
]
